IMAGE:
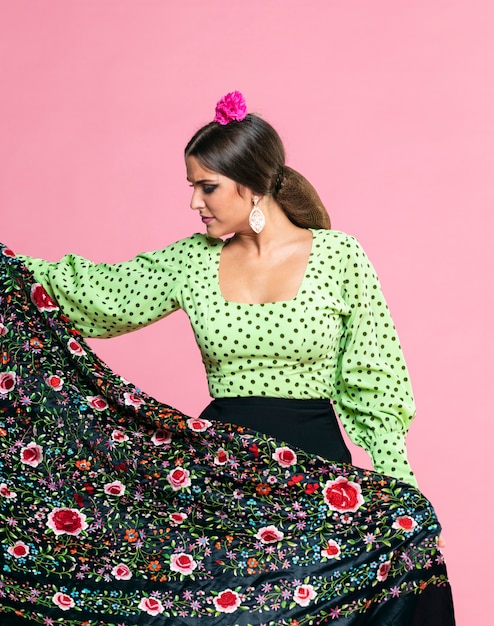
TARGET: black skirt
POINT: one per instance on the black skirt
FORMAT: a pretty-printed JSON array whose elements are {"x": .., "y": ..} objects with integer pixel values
[{"x": 307, "y": 424}]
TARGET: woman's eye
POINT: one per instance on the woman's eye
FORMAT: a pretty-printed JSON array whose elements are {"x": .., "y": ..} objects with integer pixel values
[{"x": 209, "y": 188}]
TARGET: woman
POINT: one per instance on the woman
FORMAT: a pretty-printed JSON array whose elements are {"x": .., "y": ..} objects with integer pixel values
[{"x": 289, "y": 318}]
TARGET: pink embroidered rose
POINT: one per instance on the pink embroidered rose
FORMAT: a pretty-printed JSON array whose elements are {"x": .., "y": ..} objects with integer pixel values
[
  {"x": 303, "y": 594},
  {"x": 179, "y": 478},
  {"x": 118, "y": 436},
  {"x": 41, "y": 299},
  {"x": 332, "y": 550},
  {"x": 121, "y": 572},
  {"x": 269, "y": 534},
  {"x": 63, "y": 601},
  {"x": 98, "y": 403},
  {"x": 404, "y": 522},
  {"x": 18, "y": 550},
  {"x": 161, "y": 437},
  {"x": 227, "y": 601},
  {"x": 221, "y": 457},
  {"x": 343, "y": 495},
  {"x": 3, "y": 329},
  {"x": 152, "y": 606},
  {"x": 177, "y": 518},
  {"x": 7, "y": 382},
  {"x": 6, "y": 493},
  {"x": 55, "y": 382},
  {"x": 32, "y": 454},
  {"x": 285, "y": 456},
  {"x": 230, "y": 108},
  {"x": 115, "y": 488},
  {"x": 64, "y": 521},
  {"x": 197, "y": 424},
  {"x": 132, "y": 399},
  {"x": 182, "y": 563},
  {"x": 75, "y": 347},
  {"x": 383, "y": 571}
]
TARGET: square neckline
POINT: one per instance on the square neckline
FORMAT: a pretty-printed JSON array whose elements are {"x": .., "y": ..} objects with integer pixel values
[{"x": 300, "y": 289}]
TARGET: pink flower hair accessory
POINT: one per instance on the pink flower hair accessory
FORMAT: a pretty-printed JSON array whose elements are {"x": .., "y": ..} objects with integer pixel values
[{"x": 231, "y": 108}]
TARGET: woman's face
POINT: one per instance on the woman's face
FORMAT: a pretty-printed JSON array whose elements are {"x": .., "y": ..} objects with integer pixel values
[{"x": 217, "y": 199}]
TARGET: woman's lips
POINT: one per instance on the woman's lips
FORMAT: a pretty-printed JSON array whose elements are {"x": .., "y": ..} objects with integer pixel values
[{"x": 207, "y": 220}]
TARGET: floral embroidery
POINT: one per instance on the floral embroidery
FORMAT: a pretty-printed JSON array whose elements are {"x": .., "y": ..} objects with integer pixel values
[{"x": 116, "y": 509}]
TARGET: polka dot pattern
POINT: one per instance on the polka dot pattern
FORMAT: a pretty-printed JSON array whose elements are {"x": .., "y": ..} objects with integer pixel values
[{"x": 335, "y": 339}]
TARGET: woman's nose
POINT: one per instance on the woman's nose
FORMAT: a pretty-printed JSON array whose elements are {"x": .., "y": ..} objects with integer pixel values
[{"x": 196, "y": 201}]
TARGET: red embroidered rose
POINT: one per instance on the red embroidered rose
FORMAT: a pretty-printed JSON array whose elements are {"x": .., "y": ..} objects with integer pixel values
[
  {"x": 7, "y": 382},
  {"x": 32, "y": 454},
  {"x": 152, "y": 606},
  {"x": 41, "y": 299},
  {"x": 295, "y": 479},
  {"x": 55, "y": 382},
  {"x": 75, "y": 347},
  {"x": 182, "y": 563},
  {"x": 311, "y": 488},
  {"x": 121, "y": 572},
  {"x": 303, "y": 594},
  {"x": 404, "y": 522},
  {"x": 161, "y": 437},
  {"x": 118, "y": 436},
  {"x": 227, "y": 601},
  {"x": 197, "y": 424},
  {"x": 343, "y": 495},
  {"x": 332, "y": 550},
  {"x": 269, "y": 534},
  {"x": 179, "y": 478},
  {"x": 64, "y": 521},
  {"x": 177, "y": 518},
  {"x": 132, "y": 399},
  {"x": 285, "y": 456},
  {"x": 115, "y": 488},
  {"x": 8, "y": 252},
  {"x": 383, "y": 571},
  {"x": 63, "y": 601},
  {"x": 221, "y": 457},
  {"x": 18, "y": 550},
  {"x": 98, "y": 403},
  {"x": 6, "y": 493}
]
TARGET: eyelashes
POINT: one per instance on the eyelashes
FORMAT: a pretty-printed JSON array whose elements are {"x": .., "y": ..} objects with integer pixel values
[{"x": 207, "y": 188}]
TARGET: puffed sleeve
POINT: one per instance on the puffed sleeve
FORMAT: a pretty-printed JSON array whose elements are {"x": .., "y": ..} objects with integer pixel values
[
  {"x": 105, "y": 300},
  {"x": 374, "y": 397}
]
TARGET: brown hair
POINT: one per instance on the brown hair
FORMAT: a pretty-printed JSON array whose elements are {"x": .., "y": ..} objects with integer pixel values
[{"x": 251, "y": 153}]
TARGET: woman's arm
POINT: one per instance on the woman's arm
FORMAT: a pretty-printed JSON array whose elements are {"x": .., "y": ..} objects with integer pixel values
[
  {"x": 374, "y": 395},
  {"x": 105, "y": 300}
]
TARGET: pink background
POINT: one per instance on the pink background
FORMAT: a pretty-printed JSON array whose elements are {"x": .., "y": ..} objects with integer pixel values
[{"x": 387, "y": 107}]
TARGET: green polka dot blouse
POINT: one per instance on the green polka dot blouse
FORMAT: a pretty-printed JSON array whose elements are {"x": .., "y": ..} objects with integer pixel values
[{"x": 335, "y": 339}]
